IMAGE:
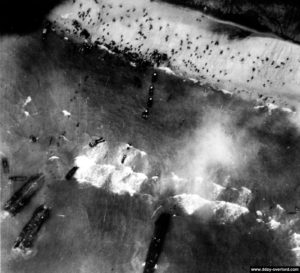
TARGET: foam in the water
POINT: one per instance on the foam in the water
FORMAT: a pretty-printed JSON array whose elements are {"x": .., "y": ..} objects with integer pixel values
[
  {"x": 119, "y": 178},
  {"x": 126, "y": 181},
  {"x": 28, "y": 100},
  {"x": 223, "y": 212},
  {"x": 66, "y": 113},
  {"x": 273, "y": 224}
]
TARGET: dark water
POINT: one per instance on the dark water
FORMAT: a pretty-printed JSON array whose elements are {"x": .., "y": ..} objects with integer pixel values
[
  {"x": 92, "y": 230},
  {"x": 232, "y": 32},
  {"x": 23, "y": 17},
  {"x": 268, "y": 16}
]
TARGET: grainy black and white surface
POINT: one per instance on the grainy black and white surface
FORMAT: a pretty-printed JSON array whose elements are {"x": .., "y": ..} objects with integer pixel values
[{"x": 167, "y": 140}]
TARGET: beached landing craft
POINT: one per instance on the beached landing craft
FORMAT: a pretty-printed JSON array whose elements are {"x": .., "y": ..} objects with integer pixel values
[
  {"x": 25, "y": 240},
  {"x": 162, "y": 225},
  {"x": 23, "y": 196},
  {"x": 184, "y": 42}
]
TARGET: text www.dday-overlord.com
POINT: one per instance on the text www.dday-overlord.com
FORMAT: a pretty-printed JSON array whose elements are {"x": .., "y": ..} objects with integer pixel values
[{"x": 275, "y": 269}]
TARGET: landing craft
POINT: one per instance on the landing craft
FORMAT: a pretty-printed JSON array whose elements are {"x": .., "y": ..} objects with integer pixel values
[
  {"x": 123, "y": 159},
  {"x": 129, "y": 146},
  {"x": 154, "y": 77},
  {"x": 30, "y": 231},
  {"x": 18, "y": 178},
  {"x": 33, "y": 138},
  {"x": 162, "y": 225},
  {"x": 151, "y": 90},
  {"x": 150, "y": 102},
  {"x": 23, "y": 196},
  {"x": 71, "y": 173},
  {"x": 145, "y": 114},
  {"x": 46, "y": 29},
  {"x": 95, "y": 142},
  {"x": 5, "y": 165}
]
